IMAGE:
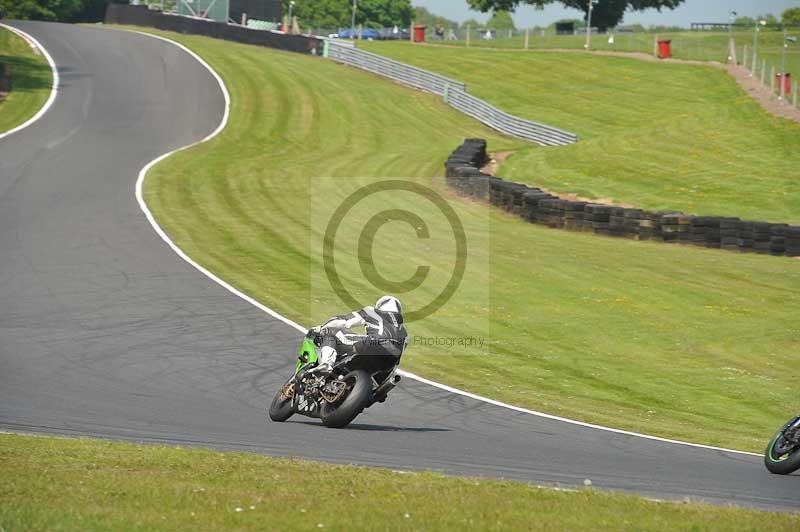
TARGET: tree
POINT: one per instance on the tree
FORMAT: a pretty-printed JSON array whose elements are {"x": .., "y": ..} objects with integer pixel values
[
  {"x": 57, "y": 10},
  {"x": 385, "y": 13},
  {"x": 744, "y": 21},
  {"x": 791, "y": 17},
  {"x": 576, "y": 22},
  {"x": 501, "y": 20},
  {"x": 606, "y": 13},
  {"x": 62, "y": 10},
  {"x": 425, "y": 17},
  {"x": 472, "y": 23}
]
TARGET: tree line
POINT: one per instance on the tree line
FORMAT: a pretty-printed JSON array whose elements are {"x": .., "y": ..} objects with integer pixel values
[
  {"x": 609, "y": 13},
  {"x": 339, "y": 13},
  {"x": 384, "y": 13},
  {"x": 56, "y": 10}
]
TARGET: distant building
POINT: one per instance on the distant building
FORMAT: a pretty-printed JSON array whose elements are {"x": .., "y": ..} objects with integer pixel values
[
  {"x": 565, "y": 28},
  {"x": 266, "y": 10}
]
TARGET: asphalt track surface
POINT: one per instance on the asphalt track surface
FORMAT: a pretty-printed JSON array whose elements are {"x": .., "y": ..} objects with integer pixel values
[{"x": 105, "y": 331}]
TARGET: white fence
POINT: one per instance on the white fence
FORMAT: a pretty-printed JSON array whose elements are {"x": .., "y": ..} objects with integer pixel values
[{"x": 454, "y": 93}]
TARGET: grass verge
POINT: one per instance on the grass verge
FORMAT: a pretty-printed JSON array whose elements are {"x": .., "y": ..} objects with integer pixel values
[
  {"x": 689, "y": 45},
  {"x": 31, "y": 80},
  {"x": 654, "y": 135},
  {"x": 82, "y": 484},
  {"x": 676, "y": 341}
]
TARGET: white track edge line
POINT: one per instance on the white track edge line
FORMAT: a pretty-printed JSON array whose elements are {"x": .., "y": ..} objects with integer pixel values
[
  {"x": 151, "y": 218},
  {"x": 300, "y": 328},
  {"x": 53, "y": 88}
]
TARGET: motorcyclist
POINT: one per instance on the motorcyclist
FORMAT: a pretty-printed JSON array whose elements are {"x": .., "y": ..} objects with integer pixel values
[{"x": 386, "y": 334}]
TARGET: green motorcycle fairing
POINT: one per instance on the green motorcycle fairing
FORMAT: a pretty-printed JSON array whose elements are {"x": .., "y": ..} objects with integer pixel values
[{"x": 307, "y": 355}]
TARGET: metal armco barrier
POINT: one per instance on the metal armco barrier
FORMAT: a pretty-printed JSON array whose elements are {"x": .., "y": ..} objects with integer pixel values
[
  {"x": 540, "y": 207},
  {"x": 507, "y": 123},
  {"x": 454, "y": 93},
  {"x": 383, "y": 66},
  {"x": 142, "y": 16}
]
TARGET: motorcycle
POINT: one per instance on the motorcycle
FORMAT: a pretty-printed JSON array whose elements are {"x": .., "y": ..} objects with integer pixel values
[
  {"x": 355, "y": 382},
  {"x": 783, "y": 452}
]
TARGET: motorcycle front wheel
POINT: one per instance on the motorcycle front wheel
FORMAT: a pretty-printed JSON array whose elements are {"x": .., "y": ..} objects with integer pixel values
[
  {"x": 344, "y": 411},
  {"x": 281, "y": 408},
  {"x": 782, "y": 455}
]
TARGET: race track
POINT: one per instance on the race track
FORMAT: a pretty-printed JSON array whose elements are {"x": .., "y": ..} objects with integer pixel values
[{"x": 105, "y": 331}]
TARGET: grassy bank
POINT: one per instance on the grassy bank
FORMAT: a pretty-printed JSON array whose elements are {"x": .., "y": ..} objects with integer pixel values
[
  {"x": 71, "y": 484},
  {"x": 691, "y": 45},
  {"x": 657, "y": 136},
  {"x": 31, "y": 80},
  {"x": 675, "y": 341}
]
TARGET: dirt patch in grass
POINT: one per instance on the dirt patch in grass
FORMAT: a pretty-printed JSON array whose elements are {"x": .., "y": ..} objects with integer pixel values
[{"x": 495, "y": 159}]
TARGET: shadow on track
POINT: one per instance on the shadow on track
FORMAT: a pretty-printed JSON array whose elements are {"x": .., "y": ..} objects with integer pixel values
[{"x": 377, "y": 428}]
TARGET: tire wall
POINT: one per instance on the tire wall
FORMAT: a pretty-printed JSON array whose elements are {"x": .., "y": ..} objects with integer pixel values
[
  {"x": 142, "y": 16},
  {"x": 5, "y": 79},
  {"x": 540, "y": 207}
]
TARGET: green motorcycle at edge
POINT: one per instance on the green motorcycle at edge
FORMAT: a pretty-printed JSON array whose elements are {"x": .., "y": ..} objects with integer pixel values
[
  {"x": 783, "y": 452},
  {"x": 336, "y": 398}
]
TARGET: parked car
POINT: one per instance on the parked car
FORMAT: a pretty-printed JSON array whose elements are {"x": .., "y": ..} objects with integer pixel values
[
  {"x": 366, "y": 33},
  {"x": 394, "y": 34}
]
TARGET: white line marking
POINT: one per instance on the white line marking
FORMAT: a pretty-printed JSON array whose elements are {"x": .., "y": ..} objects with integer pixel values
[
  {"x": 53, "y": 89},
  {"x": 300, "y": 328},
  {"x": 151, "y": 218}
]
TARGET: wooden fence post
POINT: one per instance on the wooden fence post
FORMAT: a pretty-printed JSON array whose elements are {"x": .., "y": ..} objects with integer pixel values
[
  {"x": 469, "y": 30},
  {"x": 731, "y": 51},
  {"x": 744, "y": 57},
  {"x": 526, "y": 38},
  {"x": 655, "y": 45}
]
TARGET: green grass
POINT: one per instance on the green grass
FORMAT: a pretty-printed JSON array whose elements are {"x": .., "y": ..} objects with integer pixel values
[
  {"x": 691, "y": 45},
  {"x": 82, "y": 484},
  {"x": 30, "y": 77},
  {"x": 657, "y": 136},
  {"x": 669, "y": 340}
]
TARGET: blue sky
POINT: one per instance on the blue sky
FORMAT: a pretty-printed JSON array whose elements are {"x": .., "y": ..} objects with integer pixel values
[{"x": 689, "y": 11}]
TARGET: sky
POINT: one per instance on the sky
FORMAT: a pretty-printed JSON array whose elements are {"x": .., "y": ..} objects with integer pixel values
[{"x": 688, "y": 12}]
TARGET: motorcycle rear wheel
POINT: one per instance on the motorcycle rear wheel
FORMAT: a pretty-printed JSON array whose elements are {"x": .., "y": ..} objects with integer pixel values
[
  {"x": 782, "y": 456},
  {"x": 341, "y": 414},
  {"x": 281, "y": 408}
]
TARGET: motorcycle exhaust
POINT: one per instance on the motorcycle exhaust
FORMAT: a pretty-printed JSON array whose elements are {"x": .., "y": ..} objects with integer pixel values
[{"x": 387, "y": 386}]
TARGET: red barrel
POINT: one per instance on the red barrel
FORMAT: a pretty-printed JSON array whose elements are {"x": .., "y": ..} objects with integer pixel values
[
  {"x": 787, "y": 82},
  {"x": 419, "y": 33},
  {"x": 665, "y": 49}
]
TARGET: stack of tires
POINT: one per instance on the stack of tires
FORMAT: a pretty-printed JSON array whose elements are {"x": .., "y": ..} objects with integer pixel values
[
  {"x": 540, "y": 207},
  {"x": 5, "y": 80}
]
